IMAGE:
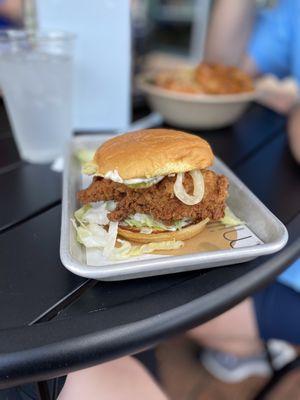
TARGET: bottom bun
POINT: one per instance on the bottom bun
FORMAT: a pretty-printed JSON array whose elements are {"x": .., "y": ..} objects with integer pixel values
[{"x": 183, "y": 234}]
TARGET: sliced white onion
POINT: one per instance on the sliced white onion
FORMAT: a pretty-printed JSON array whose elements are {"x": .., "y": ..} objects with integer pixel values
[
  {"x": 198, "y": 193},
  {"x": 111, "y": 240}
]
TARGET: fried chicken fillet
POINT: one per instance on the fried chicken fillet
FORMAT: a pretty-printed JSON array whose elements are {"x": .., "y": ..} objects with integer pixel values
[{"x": 159, "y": 200}]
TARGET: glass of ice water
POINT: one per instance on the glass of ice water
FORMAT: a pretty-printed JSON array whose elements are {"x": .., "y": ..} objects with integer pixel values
[{"x": 36, "y": 78}]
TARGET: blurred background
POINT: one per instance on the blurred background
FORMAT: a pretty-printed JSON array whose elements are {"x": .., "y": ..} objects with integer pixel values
[
  {"x": 165, "y": 34},
  {"x": 163, "y": 31}
]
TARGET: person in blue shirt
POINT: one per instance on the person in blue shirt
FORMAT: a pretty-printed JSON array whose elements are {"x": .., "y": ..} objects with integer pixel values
[{"x": 267, "y": 42}]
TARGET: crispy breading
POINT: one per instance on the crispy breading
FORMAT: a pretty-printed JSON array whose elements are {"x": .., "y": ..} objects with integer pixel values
[
  {"x": 221, "y": 79},
  {"x": 159, "y": 200},
  {"x": 206, "y": 78}
]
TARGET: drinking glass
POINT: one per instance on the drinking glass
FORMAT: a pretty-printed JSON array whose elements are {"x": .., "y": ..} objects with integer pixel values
[{"x": 36, "y": 78}]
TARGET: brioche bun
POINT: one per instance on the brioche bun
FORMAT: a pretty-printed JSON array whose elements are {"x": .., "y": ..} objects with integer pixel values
[
  {"x": 183, "y": 234},
  {"x": 152, "y": 152}
]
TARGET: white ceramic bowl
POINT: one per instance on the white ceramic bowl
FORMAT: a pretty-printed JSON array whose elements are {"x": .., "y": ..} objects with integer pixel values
[{"x": 195, "y": 111}]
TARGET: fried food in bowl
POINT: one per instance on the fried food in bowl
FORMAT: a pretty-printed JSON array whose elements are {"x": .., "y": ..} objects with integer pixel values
[
  {"x": 208, "y": 96},
  {"x": 207, "y": 79}
]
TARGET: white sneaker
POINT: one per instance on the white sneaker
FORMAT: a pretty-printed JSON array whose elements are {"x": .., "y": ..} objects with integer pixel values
[
  {"x": 229, "y": 368},
  {"x": 281, "y": 352}
]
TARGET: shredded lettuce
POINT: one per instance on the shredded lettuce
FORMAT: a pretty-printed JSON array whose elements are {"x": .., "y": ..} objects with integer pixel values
[
  {"x": 89, "y": 221},
  {"x": 230, "y": 219},
  {"x": 95, "y": 213},
  {"x": 80, "y": 213},
  {"x": 127, "y": 250},
  {"x": 181, "y": 223},
  {"x": 89, "y": 168},
  {"x": 111, "y": 205},
  {"x": 95, "y": 236},
  {"x": 146, "y": 221},
  {"x": 84, "y": 155},
  {"x": 92, "y": 235},
  {"x": 111, "y": 238}
]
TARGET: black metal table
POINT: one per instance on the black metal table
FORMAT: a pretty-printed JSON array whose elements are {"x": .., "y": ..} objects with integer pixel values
[{"x": 53, "y": 322}]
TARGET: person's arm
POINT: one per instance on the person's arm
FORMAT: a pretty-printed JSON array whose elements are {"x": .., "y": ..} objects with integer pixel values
[
  {"x": 229, "y": 32},
  {"x": 11, "y": 9}
]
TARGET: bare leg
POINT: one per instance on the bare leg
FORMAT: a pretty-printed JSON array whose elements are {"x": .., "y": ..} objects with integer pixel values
[
  {"x": 235, "y": 331},
  {"x": 123, "y": 379}
]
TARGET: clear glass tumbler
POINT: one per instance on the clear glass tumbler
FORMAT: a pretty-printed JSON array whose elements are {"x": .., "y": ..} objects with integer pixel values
[{"x": 36, "y": 77}]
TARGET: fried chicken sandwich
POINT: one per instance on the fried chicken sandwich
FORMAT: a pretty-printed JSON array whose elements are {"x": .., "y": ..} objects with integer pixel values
[{"x": 156, "y": 184}]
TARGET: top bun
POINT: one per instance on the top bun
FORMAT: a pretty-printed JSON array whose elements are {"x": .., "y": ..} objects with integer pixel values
[{"x": 152, "y": 152}]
